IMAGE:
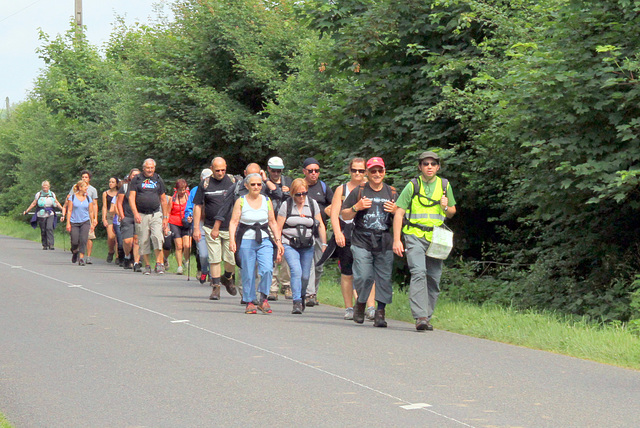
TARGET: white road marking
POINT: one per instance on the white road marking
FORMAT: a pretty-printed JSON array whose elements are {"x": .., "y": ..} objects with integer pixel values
[
  {"x": 179, "y": 321},
  {"x": 416, "y": 406},
  {"x": 408, "y": 405}
]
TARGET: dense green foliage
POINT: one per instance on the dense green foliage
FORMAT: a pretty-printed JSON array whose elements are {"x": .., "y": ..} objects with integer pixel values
[{"x": 533, "y": 104}]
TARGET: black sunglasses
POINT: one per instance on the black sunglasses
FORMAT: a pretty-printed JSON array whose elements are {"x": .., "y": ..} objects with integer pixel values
[
  {"x": 426, "y": 163},
  {"x": 359, "y": 171},
  {"x": 300, "y": 194},
  {"x": 312, "y": 171}
]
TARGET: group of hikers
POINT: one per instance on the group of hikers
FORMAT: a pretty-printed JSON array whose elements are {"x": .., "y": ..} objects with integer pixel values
[{"x": 271, "y": 228}]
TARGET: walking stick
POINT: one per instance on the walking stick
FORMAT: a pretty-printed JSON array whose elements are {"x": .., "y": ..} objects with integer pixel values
[
  {"x": 190, "y": 247},
  {"x": 64, "y": 236}
]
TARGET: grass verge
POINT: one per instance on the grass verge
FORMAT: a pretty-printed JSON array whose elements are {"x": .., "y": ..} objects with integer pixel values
[
  {"x": 4, "y": 423},
  {"x": 546, "y": 331},
  {"x": 609, "y": 344}
]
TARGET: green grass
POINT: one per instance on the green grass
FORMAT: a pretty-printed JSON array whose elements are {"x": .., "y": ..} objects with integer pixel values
[
  {"x": 562, "y": 334},
  {"x": 4, "y": 423}
]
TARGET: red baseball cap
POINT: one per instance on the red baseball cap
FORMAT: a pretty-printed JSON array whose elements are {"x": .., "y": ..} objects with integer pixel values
[{"x": 375, "y": 162}]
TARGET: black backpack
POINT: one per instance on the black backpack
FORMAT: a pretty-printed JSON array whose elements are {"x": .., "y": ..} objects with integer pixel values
[{"x": 430, "y": 202}]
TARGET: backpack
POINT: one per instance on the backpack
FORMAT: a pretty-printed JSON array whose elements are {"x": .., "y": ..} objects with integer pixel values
[
  {"x": 206, "y": 180},
  {"x": 205, "y": 184},
  {"x": 394, "y": 193},
  {"x": 416, "y": 193},
  {"x": 302, "y": 240}
]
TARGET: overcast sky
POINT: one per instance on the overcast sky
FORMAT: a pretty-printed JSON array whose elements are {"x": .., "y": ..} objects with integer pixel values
[{"x": 19, "y": 23}]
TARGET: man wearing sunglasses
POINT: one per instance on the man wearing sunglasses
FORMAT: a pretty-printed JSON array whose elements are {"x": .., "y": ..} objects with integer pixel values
[
  {"x": 323, "y": 195},
  {"x": 372, "y": 206},
  {"x": 421, "y": 211},
  {"x": 281, "y": 274},
  {"x": 209, "y": 199}
]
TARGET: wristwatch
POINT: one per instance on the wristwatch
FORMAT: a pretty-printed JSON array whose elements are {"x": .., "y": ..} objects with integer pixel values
[
  {"x": 354, "y": 209},
  {"x": 446, "y": 208}
]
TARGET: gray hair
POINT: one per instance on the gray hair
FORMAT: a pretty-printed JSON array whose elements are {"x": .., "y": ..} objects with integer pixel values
[
  {"x": 46, "y": 182},
  {"x": 249, "y": 177},
  {"x": 148, "y": 160}
]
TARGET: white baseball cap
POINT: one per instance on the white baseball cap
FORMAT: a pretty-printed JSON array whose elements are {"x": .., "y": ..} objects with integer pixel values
[{"x": 275, "y": 163}]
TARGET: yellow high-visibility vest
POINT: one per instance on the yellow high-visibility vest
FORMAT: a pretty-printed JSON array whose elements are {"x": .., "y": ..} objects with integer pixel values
[{"x": 430, "y": 215}]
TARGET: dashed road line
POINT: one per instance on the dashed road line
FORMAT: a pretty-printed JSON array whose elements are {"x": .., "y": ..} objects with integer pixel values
[{"x": 407, "y": 405}]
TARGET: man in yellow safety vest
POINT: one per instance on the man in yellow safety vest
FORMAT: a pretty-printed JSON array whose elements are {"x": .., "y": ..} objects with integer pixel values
[{"x": 424, "y": 203}]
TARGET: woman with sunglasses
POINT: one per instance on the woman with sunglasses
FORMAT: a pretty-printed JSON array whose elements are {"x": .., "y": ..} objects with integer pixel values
[
  {"x": 342, "y": 234},
  {"x": 251, "y": 219},
  {"x": 300, "y": 220}
]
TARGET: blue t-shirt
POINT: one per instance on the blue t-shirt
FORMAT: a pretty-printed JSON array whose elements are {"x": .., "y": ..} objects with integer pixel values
[{"x": 80, "y": 212}]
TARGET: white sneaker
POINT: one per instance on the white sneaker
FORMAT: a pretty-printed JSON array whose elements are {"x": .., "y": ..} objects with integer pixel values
[
  {"x": 348, "y": 314},
  {"x": 179, "y": 270},
  {"x": 370, "y": 313}
]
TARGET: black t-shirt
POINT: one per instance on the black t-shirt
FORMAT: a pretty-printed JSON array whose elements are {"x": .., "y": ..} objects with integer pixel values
[
  {"x": 372, "y": 225},
  {"x": 323, "y": 195},
  {"x": 124, "y": 190},
  {"x": 278, "y": 196},
  {"x": 212, "y": 198},
  {"x": 148, "y": 191}
]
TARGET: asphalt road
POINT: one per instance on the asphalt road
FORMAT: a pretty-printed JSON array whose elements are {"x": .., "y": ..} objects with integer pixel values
[{"x": 97, "y": 346}]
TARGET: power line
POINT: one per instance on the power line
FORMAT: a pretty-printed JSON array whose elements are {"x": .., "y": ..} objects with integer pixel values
[{"x": 15, "y": 13}]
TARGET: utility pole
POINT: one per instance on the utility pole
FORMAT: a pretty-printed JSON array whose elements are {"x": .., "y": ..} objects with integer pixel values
[
  {"x": 78, "y": 13},
  {"x": 8, "y": 109}
]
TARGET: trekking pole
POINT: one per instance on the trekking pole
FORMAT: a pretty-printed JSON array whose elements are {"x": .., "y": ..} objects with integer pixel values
[
  {"x": 190, "y": 252},
  {"x": 64, "y": 237}
]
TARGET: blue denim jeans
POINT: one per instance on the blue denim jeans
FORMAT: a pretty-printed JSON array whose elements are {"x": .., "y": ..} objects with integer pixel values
[
  {"x": 203, "y": 253},
  {"x": 299, "y": 261},
  {"x": 251, "y": 254}
]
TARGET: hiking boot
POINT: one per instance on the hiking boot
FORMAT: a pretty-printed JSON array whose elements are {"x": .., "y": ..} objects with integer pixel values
[
  {"x": 423, "y": 324},
  {"x": 250, "y": 309},
  {"x": 273, "y": 295},
  {"x": 147, "y": 270},
  {"x": 45, "y": 248},
  {"x": 202, "y": 278},
  {"x": 88, "y": 261},
  {"x": 378, "y": 320},
  {"x": 297, "y": 308},
  {"x": 311, "y": 300},
  {"x": 229, "y": 284},
  {"x": 81, "y": 262},
  {"x": 265, "y": 307},
  {"x": 51, "y": 248},
  {"x": 370, "y": 313},
  {"x": 127, "y": 263},
  {"x": 215, "y": 293},
  {"x": 358, "y": 312},
  {"x": 137, "y": 267},
  {"x": 159, "y": 269},
  {"x": 287, "y": 292},
  {"x": 109, "y": 257},
  {"x": 348, "y": 314},
  {"x": 74, "y": 257},
  {"x": 179, "y": 271}
]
